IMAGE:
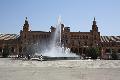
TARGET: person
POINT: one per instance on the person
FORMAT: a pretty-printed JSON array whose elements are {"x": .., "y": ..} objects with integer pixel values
[
  {"x": 41, "y": 57},
  {"x": 28, "y": 57}
]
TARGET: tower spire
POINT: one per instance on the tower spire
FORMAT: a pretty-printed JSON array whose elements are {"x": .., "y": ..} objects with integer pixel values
[
  {"x": 26, "y": 25},
  {"x": 94, "y": 22},
  {"x": 94, "y": 18},
  {"x": 26, "y": 21},
  {"x": 26, "y": 18},
  {"x": 94, "y": 26}
]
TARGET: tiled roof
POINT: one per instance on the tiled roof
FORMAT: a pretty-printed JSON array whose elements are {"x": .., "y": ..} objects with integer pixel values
[
  {"x": 37, "y": 31},
  {"x": 108, "y": 38},
  {"x": 8, "y": 36},
  {"x": 103, "y": 38}
]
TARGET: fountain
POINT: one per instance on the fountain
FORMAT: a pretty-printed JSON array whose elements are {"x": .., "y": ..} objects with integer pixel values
[{"x": 57, "y": 51}]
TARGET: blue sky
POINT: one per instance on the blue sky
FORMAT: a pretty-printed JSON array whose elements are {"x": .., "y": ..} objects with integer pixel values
[{"x": 78, "y": 14}]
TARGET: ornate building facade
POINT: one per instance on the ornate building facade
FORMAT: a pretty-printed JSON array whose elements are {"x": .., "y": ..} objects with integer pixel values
[{"x": 78, "y": 42}]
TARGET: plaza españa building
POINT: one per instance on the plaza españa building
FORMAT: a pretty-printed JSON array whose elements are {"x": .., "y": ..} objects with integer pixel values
[{"x": 77, "y": 42}]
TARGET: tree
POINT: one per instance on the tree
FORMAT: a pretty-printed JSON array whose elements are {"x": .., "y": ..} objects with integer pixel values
[
  {"x": 93, "y": 52},
  {"x": 114, "y": 55},
  {"x": 5, "y": 51}
]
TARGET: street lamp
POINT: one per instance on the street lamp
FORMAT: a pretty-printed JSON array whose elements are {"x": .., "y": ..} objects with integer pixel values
[{"x": 110, "y": 48}]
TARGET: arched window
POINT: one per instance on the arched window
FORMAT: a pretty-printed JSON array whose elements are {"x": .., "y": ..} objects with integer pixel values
[
  {"x": 0, "y": 49},
  {"x": 79, "y": 43},
  {"x": 20, "y": 49},
  {"x": 72, "y": 49},
  {"x": 12, "y": 49},
  {"x": 107, "y": 51},
  {"x": 76, "y": 50},
  {"x": 118, "y": 50},
  {"x": 72, "y": 42}
]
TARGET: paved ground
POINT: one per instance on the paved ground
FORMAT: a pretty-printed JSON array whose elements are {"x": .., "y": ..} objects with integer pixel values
[
  {"x": 58, "y": 70},
  {"x": 27, "y": 73}
]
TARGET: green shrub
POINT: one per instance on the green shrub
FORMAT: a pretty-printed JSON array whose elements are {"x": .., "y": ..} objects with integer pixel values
[
  {"x": 114, "y": 55},
  {"x": 5, "y": 52},
  {"x": 93, "y": 53}
]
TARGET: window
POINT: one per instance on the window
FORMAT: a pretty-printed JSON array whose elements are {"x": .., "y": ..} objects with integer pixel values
[
  {"x": 95, "y": 37},
  {"x": 12, "y": 49},
  {"x": 86, "y": 37},
  {"x": 33, "y": 37},
  {"x": 39, "y": 36},
  {"x": 66, "y": 41},
  {"x": 25, "y": 36},
  {"x": 36, "y": 36},
  {"x": 83, "y": 37},
  {"x": 45, "y": 36},
  {"x": 78, "y": 42},
  {"x": 72, "y": 43},
  {"x": 85, "y": 43}
]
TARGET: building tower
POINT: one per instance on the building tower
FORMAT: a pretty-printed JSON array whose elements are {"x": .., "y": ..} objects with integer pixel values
[
  {"x": 95, "y": 34},
  {"x": 26, "y": 25},
  {"x": 24, "y": 34},
  {"x": 94, "y": 26}
]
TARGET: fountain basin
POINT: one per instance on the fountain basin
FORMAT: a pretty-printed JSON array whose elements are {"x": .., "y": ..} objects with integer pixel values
[{"x": 47, "y": 58}]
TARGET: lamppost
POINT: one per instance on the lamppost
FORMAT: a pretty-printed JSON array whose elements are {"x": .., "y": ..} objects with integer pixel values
[{"x": 110, "y": 41}]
